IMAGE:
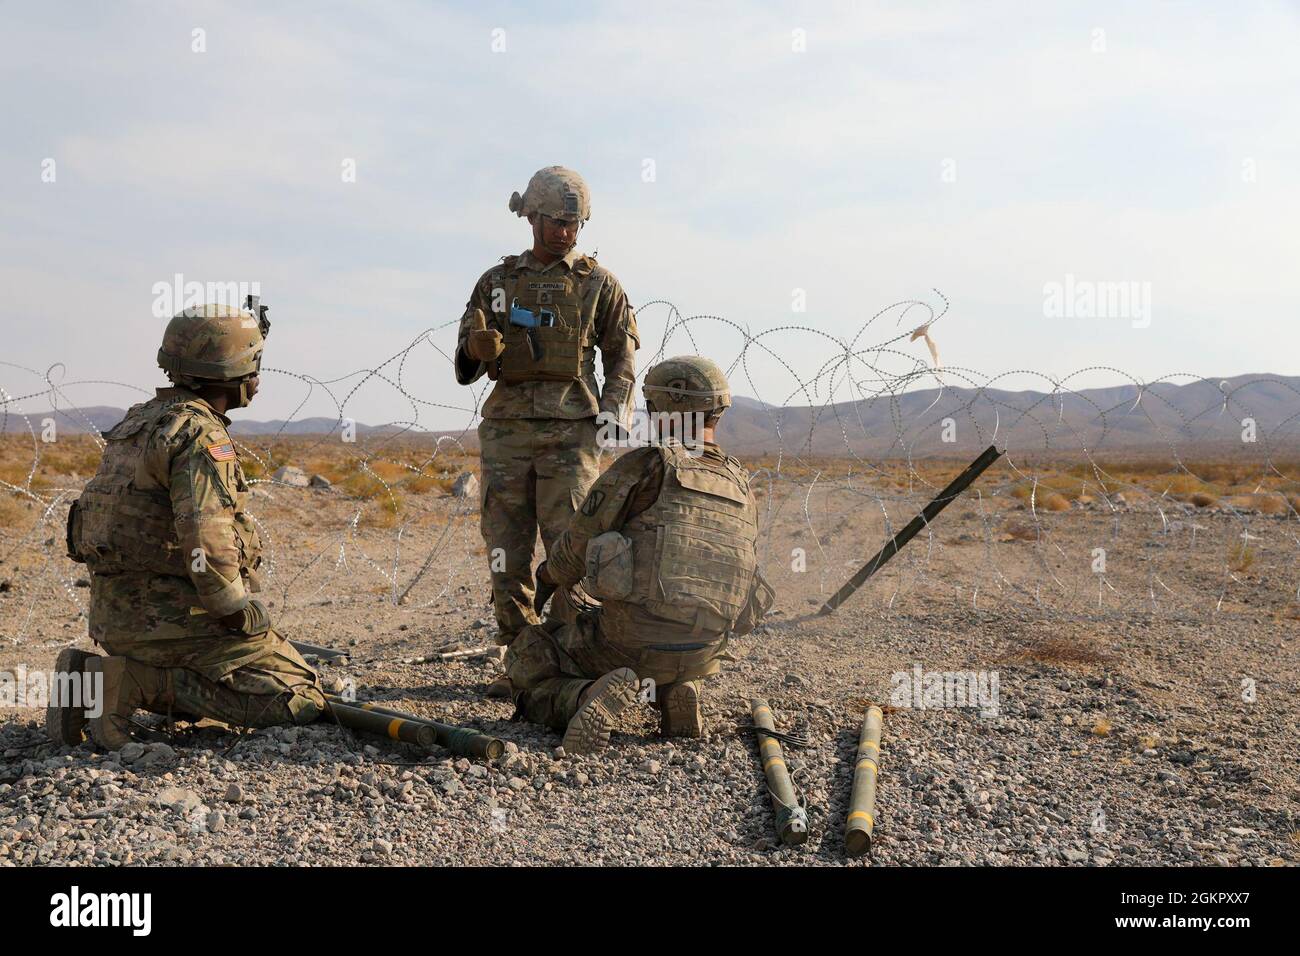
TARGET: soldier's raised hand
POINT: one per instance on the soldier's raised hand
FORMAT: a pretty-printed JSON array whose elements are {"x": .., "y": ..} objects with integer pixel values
[{"x": 482, "y": 344}]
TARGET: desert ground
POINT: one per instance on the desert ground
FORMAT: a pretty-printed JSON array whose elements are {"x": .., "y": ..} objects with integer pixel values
[{"x": 1145, "y": 712}]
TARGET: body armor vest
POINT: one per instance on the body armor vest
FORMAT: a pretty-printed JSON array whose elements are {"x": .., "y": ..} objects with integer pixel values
[
  {"x": 693, "y": 550},
  {"x": 123, "y": 520},
  {"x": 563, "y": 336}
]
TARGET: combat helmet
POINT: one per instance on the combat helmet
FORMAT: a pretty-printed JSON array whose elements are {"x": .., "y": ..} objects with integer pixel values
[
  {"x": 212, "y": 344},
  {"x": 687, "y": 383},
  {"x": 556, "y": 192}
]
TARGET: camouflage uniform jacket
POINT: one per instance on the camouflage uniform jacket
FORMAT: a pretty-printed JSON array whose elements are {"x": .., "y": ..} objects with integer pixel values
[
  {"x": 605, "y": 312},
  {"x": 169, "y": 499}
]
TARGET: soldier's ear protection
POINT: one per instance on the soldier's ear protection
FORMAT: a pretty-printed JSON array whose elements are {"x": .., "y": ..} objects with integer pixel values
[{"x": 244, "y": 397}]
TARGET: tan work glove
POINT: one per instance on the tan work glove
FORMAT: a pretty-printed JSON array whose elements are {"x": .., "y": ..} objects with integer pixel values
[{"x": 483, "y": 344}]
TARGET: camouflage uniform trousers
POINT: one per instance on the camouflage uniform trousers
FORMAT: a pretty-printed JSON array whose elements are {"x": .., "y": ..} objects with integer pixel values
[
  {"x": 536, "y": 472},
  {"x": 256, "y": 681},
  {"x": 550, "y": 664}
]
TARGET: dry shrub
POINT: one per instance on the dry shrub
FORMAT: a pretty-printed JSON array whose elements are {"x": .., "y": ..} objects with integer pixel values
[
  {"x": 1064, "y": 485},
  {"x": 334, "y": 470},
  {"x": 1061, "y": 650},
  {"x": 1218, "y": 477},
  {"x": 358, "y": 485},
  {"x": 1224, "y": 472},
  {"x": 428, "y": 480},
  {"x": 382, "y": 513},
  {"x": 12, "y": 511},
  {"x": 1051, "y": 493},
  {"x": 252, "y": 467},
  {"x": 16, "y": 474},
  {"x": 417, "y": 484},
  {"x": 280, "y": 452},
  {"x": 1015, "y": 531},
  {"x": 72, "y": 459},
  {"x": 1241, "y": 557},
  {"x": 410, "y": 478},
  {"x": 391, "y": 471},
  {"x": 1265, "y": 504},
  {"x": 1180, "y": 485},
  {"x": 1102, "y": 727},
  {"x": 364, "y": 485}
]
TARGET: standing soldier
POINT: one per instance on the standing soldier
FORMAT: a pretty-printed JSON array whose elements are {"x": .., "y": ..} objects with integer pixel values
[
  {"x": 173, "y": 555},
  {"x": 533, "y": 324},
  {"x": 666, "y": 539}
]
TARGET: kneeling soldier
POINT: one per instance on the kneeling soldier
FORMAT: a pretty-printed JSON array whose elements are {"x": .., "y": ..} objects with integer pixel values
[
  {"x": 666, "y": 540},
  {"x": 173, "y": 555}
]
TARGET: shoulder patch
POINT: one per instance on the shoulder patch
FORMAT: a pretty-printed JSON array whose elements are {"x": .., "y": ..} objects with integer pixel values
[
  {"x": 180, "y": 422},
  {"x": 595, "y": 498},
  {"x": 222, "y": 451}
]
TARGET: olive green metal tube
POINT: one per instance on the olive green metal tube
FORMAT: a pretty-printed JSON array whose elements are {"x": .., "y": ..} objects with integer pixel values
[
  {"x": 910, "y": 530},
  {"x": 791, "y": 819},
  {"x": 862, "y": 804},
  {"x": 462, "y": 741},
  {"x": 467, "y": 742},
  {"x": 393, "y": 727}
]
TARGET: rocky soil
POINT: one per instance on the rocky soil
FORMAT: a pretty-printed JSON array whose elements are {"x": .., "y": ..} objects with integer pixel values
[{"x": 1143, "y": 716}]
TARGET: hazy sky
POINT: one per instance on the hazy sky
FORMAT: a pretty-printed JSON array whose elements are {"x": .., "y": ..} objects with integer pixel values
[{"x": 862, "y": 153}]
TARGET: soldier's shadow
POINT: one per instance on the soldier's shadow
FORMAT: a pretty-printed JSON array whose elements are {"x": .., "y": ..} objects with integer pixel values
[{"x": 443, "y": 693}]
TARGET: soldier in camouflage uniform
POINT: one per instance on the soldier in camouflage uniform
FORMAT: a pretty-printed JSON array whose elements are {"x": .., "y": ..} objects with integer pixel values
[
  {"x": 538, "y": 435},
  {"x": 173, "y": 555},
  {"x": 666, "y": 540}
]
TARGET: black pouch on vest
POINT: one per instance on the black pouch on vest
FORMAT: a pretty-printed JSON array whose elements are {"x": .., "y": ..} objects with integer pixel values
[{"x": 73, "y": 532}]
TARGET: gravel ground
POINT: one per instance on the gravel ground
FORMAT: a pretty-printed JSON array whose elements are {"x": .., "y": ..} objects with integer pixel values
[{"x": 1123, "y": 731}]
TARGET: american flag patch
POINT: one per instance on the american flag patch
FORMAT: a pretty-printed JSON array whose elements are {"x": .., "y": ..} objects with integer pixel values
[{"x": 222, "y": 451}]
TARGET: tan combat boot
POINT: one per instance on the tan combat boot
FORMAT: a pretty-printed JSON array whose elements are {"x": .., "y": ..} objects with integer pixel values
[
  {"x": 128, "y": 686},
  {"x": 500, "y": 688},
  {"x": 679, "y": 710},
  {"x": 598, "y": 710},
  {"x": 65, "y": 718}
]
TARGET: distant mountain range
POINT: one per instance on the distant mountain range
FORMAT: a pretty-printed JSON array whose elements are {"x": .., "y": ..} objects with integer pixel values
[
  {"x": 1204, "y": 413},
  {"x": 935, "y": 421},
  {"x": 103, "y": 417}
]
